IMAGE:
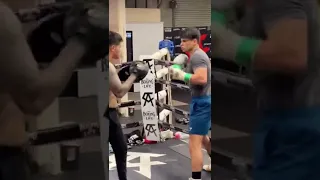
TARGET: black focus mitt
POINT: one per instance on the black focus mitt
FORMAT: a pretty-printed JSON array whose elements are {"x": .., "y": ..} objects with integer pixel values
[
  {"x": 90, "y": 24},
  {"x": 140, "y": 69},
  {"x": 46, "y": 39},
  {"x": 124, "y": 72}
]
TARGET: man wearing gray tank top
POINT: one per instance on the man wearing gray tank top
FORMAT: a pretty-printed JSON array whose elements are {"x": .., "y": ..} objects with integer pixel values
[{"x": 198, "y": 76}]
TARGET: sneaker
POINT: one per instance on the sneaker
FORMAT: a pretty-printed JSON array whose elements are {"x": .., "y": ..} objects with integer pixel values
[
  {"x": 207, "y": 168},
  {"x": 179, "y": 120},
  {"x": 193, "y": 179},
  {"x": 185, "y": 121}
]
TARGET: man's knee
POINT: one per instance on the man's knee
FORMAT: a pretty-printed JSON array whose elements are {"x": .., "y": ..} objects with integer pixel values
[{"x": 195, "y": 141}]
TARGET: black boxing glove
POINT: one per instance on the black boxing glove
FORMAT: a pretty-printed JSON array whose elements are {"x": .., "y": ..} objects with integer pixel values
[
  {"x": 90, "y": 24},
  {"x": 140, "y": 69},
  {"x": 46, "y": 38},
  {"x": 124, "y": 72}
]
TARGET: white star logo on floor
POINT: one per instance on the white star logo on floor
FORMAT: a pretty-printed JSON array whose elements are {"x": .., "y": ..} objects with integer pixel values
[{"x": 144, "y": 164}]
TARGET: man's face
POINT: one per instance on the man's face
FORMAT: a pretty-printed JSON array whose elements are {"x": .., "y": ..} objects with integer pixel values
[
  {"x": 116, "y": 52},
  {"x": 188, "y": 45}
]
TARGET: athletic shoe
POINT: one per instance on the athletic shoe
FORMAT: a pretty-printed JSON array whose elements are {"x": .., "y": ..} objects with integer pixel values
[
  {"x": 185, "y": 121},
  {"x": 135, "y": 140},
  {"x": 110, "y": 148},
  {"x": 179, "y": 120},
  {"x": 129, "y": 146},
  {"x": 207, "y": 168}
]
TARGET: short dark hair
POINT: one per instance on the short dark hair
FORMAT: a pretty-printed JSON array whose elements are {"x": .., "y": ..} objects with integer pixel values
[
  {"x": 114, "y": 38},
  {"x": 191, "y": 33}
]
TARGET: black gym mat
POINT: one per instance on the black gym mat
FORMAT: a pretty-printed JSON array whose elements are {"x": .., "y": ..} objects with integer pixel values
[{"x": 176, "y": 166}]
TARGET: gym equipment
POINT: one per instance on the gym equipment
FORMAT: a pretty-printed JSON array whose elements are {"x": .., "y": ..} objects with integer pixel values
[
  {"x": 167, "y": 44},
  {"x": 65, "y": 132}
]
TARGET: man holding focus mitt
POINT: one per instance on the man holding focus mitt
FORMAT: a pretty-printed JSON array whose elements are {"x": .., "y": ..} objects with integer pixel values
[{"x": 136, "y": 72}]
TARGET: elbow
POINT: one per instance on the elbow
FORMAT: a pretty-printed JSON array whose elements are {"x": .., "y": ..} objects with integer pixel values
[
  {"x": 201, "y": 80},
  {"x": 296, "y": 61},
  {"x": 300, "y": 63},
  {"x": 119, "y": 94}
]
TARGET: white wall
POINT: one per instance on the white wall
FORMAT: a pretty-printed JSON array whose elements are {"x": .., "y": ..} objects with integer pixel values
[{"x": 145, "y": 38}]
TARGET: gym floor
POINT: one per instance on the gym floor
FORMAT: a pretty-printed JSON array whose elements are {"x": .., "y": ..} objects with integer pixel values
[{"x": 172, "y": 156}]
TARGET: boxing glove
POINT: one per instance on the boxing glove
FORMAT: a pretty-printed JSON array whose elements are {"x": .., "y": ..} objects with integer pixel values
[
  {"x": 178, "y": 74},
  {"x": 46, "y": 38},
  {"x": 181, "y": 59},
  {"x": 90, "y": 24},
  {"x": 140, "y": 69},
  {"x": 124, "y": 72}
]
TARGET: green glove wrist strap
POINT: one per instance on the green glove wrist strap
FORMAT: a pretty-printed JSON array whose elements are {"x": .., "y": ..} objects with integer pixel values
[
  {"x": 176, "y": 66},
  {"x": 187, "y": 77},
  {"x": 246, "y": 50},
  {"x": 218, "y": 17}
]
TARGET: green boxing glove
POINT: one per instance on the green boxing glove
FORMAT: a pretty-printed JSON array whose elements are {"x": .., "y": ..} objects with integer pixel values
[
  {"x": 179, "y": 74},
  {"x": 229, "y": 45}
]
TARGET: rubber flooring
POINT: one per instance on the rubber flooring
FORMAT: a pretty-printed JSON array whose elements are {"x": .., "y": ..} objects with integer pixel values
[
  {"x": 167, "y": 163},
  {"x": 156, "y": 162},
  {"x": 231, "y": 120}
]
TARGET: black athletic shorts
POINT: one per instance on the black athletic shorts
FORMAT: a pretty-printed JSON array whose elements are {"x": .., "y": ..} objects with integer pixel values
[{"x": 13, "y": 163}]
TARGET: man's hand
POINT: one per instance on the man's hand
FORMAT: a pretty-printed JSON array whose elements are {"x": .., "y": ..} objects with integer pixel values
[
  {"x": 140, "y": 69},
  {"x": 46, "y": 39},
  {"x": 86, "y": 23},
  {"x": 89, "y": 24},
  {"x": 181, "y": 59},
  {"x": 178, "y": 74},
  {"x": 118, "y": 89},
  {"x": 231, "y": 46},
  {"x": 284, "y": 49}
]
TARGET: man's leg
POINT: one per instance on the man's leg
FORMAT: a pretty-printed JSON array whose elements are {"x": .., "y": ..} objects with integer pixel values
[
  {"x": 206, "y": 142},
  {"x": 195, "y": 148},
  {"x": 200, "y": 121},
  {"x": 118, "y": 144}
]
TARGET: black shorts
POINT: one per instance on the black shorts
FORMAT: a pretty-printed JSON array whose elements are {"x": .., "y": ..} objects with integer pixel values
[{"x": 13, "y": 163}]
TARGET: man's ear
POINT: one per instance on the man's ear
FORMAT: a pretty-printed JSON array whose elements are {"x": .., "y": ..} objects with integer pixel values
[{"x": 111, "y": 48}]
